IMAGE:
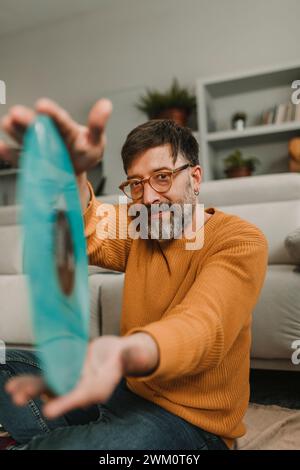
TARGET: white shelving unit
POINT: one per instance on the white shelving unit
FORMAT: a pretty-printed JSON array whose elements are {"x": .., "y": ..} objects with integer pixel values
[{"x": 254, "y": 92}]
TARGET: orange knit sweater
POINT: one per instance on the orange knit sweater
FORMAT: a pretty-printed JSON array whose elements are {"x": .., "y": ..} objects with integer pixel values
[{"x": 197, "y": 306}]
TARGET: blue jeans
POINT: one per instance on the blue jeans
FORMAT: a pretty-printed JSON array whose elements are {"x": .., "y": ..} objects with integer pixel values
[{"x": 125, "y": 422}]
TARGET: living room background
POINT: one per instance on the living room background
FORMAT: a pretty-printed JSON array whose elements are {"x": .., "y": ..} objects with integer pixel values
[{"x": 117, "y": 49}]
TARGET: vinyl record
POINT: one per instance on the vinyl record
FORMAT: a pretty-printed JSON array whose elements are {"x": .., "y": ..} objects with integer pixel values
[{"x": 55, "y": 258}]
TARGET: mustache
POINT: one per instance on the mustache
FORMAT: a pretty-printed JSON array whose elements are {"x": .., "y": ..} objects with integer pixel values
[{"x": 160, "y": 207}]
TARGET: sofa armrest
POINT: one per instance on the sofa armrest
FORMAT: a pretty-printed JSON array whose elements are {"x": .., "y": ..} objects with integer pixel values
[
  {"x": 15, "y": 319},
  {"x": 276, "y": 318}
]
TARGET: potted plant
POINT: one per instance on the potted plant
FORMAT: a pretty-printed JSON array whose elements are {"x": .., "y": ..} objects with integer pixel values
[
  {"x": 176, "y": 103},
  {"x": 236, "y": 165}
]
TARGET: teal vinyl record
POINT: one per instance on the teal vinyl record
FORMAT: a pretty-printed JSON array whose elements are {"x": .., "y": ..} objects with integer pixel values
[{"x": 55, "y": 257}]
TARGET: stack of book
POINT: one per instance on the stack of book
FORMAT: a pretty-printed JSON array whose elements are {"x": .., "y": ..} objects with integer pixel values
[{"x": 285, "y": 112}]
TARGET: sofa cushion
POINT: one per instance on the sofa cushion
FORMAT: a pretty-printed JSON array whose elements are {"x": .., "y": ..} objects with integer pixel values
[
  {"x": 9, "y": 215},
  {"x": 276, "y": 321},
  {"x": 99, "y": 270},
  {"x": 105, "y": 307},
  {"x": 251, "y": 190},
  {"x": 11, "y": 250},
  {"x": 275, "y": 220},
  {"x": 106, "y": 303},
  {"x": 292, "y": 243}
]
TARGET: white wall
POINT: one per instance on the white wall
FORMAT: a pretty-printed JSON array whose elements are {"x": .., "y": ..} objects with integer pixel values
[{"x": 128, "y": 44}]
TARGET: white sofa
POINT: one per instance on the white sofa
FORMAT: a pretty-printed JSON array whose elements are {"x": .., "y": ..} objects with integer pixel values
[{"x": 272, "y": 202}]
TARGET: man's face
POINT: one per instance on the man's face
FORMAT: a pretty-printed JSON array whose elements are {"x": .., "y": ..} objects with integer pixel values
[{"x": 171, "y": 211}]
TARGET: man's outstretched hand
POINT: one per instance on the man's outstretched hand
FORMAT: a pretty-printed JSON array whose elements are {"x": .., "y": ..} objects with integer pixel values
[
  {"x": 108, "y": 359},
  {"x": 85, "y": 143}
]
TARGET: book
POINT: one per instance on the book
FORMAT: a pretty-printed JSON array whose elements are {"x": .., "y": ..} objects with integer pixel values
[
  {"x": 297, "y": 112},
  {"x": 280, "y": 113},
  {"x": 289, "y": 114}
]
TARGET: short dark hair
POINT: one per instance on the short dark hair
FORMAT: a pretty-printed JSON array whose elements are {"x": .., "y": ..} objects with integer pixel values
[{"x": 158, "y": 132}]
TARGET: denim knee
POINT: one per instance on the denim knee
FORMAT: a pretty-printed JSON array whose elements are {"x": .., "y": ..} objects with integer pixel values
[
  {"x": 25, "y": 422},
  {"x": 18, "y": 361}
]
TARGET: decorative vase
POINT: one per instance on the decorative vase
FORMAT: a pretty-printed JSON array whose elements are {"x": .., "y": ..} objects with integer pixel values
[
  {"x": 294, "y": 153},
  {"x": 180, "y": 116},
  {"x": 294, "y": 148},
  {"x": 238, "y": 172},
  {"x": 294, "y": 166},
  {"x": 238, "y": 121}
]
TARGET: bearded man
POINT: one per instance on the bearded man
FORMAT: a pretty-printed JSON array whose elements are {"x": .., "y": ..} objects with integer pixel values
[{"x": 178, "y": 375}]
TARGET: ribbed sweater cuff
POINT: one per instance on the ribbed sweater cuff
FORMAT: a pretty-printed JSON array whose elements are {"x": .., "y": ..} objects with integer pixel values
[{"x": 170, "y": 351}]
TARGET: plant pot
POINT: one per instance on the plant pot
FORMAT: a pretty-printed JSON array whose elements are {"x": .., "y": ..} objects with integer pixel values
[
  {"x": 238, "y": 172},
  {"x": 294, "y": 149},
  {"x": 180, "y": 116}
]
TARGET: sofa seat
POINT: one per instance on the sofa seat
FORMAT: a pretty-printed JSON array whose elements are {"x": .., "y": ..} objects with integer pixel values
[{"x": 276, "y": 322}]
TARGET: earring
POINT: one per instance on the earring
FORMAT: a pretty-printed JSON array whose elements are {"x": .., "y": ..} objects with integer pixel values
[{"x": 196, "y": 192}]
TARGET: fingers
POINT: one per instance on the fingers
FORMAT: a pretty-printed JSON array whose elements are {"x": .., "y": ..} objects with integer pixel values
[
  {"x": 19, "y": 118},
  {"x": 88, "y": 142},
  {"x": 16, "y": 122},
  {"x": 98, "y": 118},
  {"x": 91, "y": 140},
  {"x": 67, "y": 127},
  {"x": 24, "y": 388},
  {"x": 77, "y": 398}
]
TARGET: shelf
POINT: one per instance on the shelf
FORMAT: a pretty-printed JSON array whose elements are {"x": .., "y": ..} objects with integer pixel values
[
  {"x": 9, "y": 171},
  {"x": 253, "y": 92},
  {"x": 265, "y": 78},
  {"x": 255, "y": 134}
]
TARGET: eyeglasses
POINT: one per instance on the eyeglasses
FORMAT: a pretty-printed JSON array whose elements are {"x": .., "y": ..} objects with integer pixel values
[{"x": 161, "y": 181}]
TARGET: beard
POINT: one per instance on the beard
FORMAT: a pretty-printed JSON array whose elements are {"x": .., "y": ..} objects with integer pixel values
[{"x": 171, "y": 218}]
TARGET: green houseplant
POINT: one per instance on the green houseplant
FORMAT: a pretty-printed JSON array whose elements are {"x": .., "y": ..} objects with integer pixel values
[
  {"x": 236, "y": 165},
  {"x": 176, "y": 103}
]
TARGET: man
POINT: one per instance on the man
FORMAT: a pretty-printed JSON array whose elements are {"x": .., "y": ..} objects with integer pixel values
[{"x": 178, "y": 376}]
